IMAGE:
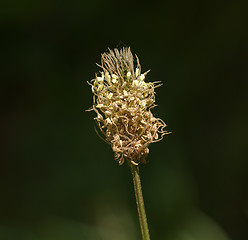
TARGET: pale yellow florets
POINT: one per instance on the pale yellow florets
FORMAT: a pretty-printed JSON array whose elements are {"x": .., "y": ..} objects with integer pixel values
[{"x": 123, "y": 102}]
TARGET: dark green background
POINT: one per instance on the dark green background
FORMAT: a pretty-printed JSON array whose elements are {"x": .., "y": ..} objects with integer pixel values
[{"x": 59, "y": 181}]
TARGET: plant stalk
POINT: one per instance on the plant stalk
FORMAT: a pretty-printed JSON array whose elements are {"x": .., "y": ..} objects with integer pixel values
[{"x": 140, "y": 202}]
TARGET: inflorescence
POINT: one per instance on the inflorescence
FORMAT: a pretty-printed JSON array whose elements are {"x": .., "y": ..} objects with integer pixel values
[{"x": 123, "y": 101}]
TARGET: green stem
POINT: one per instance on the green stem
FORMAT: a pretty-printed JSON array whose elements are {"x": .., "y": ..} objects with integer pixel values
[{"x": 140, "y": 202}]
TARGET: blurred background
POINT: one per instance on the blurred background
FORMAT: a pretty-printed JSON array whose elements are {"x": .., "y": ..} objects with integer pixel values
[{"x": 59, "y": 180}]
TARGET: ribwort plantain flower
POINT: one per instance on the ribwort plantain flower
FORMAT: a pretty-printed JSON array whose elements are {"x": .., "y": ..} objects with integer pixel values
[{"x": 123, "y": 100}]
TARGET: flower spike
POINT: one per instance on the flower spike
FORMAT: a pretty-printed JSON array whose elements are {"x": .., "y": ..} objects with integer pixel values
[{"x": 123, "y": 103}]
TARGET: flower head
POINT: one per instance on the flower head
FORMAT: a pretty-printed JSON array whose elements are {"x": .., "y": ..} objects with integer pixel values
[{"x": 123, "y": 101}]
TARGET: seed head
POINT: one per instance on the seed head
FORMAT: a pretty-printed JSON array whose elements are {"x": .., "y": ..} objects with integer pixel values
[{"x": 123, "y": 101}]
